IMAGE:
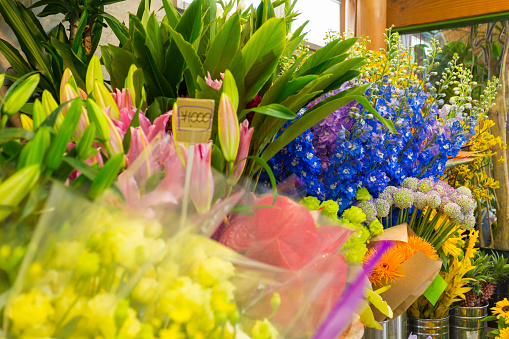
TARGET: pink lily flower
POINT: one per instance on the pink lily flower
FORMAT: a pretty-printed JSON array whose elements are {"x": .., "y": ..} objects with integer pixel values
[
  {"x": 123, "y": 99},
  {"x": 139, "y": 143},
  {"x": 215, "y": 84},
  {"x": 246, "y": 134},
  {"x": 228, "y": 128},
  {"x": 202, "y": 182}
]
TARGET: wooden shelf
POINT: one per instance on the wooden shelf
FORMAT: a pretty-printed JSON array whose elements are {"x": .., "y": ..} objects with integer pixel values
[{"x": 406, "y": 13}]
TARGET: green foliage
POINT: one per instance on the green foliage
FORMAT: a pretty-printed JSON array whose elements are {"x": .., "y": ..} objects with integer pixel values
[
  {"x": 51, "y": 53},
  {"x": 30, "y": 159}
]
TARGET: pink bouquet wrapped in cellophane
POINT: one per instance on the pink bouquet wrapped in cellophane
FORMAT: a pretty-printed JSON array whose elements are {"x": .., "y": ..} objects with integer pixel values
[{"x": 98, "y": 270}]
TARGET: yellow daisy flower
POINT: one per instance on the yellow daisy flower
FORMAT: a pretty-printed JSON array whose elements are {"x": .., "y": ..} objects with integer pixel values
[
  {"x": 453, "y": 246},
  {"x": 501, "y": 309},
  {"x": 504, "y": 334}
]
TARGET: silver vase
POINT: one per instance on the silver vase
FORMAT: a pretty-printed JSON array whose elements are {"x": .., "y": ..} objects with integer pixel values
[
  {"x": 465, "y": 322},
  {"x": 434, "y": 328},
  {"x": 391, "y": 329}
]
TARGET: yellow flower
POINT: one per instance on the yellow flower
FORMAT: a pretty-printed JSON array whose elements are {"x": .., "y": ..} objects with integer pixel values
[
  {"x": 264, "y": 330},
  {"x": 501, "y": 309},
  {"x": 131, "y": 325},
  {"x": 454, "y": 243},
  {"x": 146, "y": 290},
  {"x": 173, "y": 332},
  {"x": 30, "y": 311},
  {"x": 504, "y": 334},
  {"x": 214, "y": 270},
  {"x": 100, "y": 314}
]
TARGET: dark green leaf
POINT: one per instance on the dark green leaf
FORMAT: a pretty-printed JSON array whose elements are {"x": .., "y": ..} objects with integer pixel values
[
  {"x": 14, "y": 58},
  {"x": 172, "y": 15},
  {"x": 330, "y": 50},
  {"x": 87, "y": 170},
  {"x": 260, "y": 57},
  {"x": 135, "y": 122},
  {"x": 154, "y": 41},
  {"x": 295, "y": 41},
  {"x": 59, "y": 144},
  {"x": 273, "y": 110},
  {"x": 79, "y": 31},
  {"x": 153, "y": 181},
  {"x": 120, "y": 63},
  {"x": 186, "y": 49},
  {"x": 14, "y": 133},
  {"x": 29, "y": 45},
  {"x": 223, "y": 48},
  {"x": 71, "y": 61},
  {"x": 106, "y": 176},
  {"x": 157, "y": 84},
  {"x": 118, "y": 28},
  {"x": 295, "y": 85}
]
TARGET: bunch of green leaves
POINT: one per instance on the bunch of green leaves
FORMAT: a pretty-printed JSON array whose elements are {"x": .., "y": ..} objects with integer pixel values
[
  {"x": 86, "y": 21},
  {"x": 499, "y": 268},
  {"x": 51, "y": 53},
  {"x": 29, "y": 160},
  {"x": 480, "y": 273}
]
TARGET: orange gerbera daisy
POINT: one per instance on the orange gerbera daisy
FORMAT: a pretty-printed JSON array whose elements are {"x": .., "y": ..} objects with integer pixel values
[
  {"x": 417, "y": 244},
  {"x": 388, "y": 269}
]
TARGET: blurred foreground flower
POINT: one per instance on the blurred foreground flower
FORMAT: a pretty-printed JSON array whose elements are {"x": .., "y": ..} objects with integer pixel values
[{"x": 201, "y": 188}]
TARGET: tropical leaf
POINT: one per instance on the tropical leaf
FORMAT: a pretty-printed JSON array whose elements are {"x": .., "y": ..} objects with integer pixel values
[{"x": 223, "y": 48}]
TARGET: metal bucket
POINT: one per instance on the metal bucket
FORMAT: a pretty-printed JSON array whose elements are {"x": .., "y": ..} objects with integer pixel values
[
  {"x": 434, "y": 328},
  {"x": 391, "y": 329},
  {"x": 465, "y": 322}
]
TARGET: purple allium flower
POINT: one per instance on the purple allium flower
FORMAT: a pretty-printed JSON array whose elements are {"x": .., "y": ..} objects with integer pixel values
[
  {"x": 445, "y": 200},
  {"x": 465, "y": 202},
  {"x": 425, "y": 185},
  {"x": 387, "y": 197},
  {"x": 390, "y": 189},
  {"x": 433, "y": 200},
  {"x": 464, "y": 190},
  {"x": 420, "y": 200},
  {"x": 403, "y": 198},
  {"x": 469, "y": 222},
  {"x": 452, "y": 210},
  {"x": 368, "y": 207},
  {"x": 382, "y": 207},
  {"x": 410, "y": 183},
  {"x": 440, "y": 190}
]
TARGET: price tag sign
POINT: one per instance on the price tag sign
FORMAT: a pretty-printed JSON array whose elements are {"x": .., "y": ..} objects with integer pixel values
[{"x": 194, "y": 117}]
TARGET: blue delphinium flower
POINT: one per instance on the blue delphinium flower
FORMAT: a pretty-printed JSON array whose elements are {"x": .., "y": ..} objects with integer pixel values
[{"x": 351, "y": 149}]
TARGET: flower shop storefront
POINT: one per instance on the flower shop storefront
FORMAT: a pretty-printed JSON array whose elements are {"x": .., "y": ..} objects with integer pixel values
[{"x": 212, "y": 173}]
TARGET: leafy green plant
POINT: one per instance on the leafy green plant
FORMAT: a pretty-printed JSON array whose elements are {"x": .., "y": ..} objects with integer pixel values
[
  {"x": 51, "y": 53},
  {"x": 30, "y": 159},
  {"x": 85, "y": 21}
]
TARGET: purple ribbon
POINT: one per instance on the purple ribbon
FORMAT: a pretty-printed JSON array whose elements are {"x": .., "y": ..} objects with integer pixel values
[{"x": 340, "y": 316}]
